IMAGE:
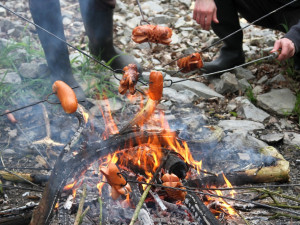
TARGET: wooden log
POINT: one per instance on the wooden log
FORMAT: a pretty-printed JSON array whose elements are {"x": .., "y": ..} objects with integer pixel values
[
  {"x": 279, "y": 172},
  {"x": 73, "y": 166},
  {"x": 17, "y": 177},
  {"x": 199, "y": 211}
]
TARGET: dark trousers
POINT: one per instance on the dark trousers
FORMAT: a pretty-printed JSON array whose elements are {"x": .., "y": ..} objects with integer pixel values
[{"x": 281, "y": 20}]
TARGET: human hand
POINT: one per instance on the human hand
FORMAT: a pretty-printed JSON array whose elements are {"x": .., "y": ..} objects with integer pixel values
[
  {"x": 286, "y": 47},
  {"x": 205, "y": 12}
]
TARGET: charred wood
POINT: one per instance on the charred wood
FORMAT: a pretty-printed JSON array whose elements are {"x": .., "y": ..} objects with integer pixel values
[{"x": 199, "y": 211}]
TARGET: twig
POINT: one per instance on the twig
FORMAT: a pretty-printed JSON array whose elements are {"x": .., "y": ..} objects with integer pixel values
[
  {"x": 139, "y": 205},
  {"x": 277, "y": 215},
  {"x": 80, "y": 207},
  {"x": 83, "y": 214},
  {"x": 101, "y": 207},
  {"x": 278, "y": 194}
]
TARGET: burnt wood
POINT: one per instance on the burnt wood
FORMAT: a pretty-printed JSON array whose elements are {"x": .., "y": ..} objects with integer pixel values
[
  {"x": 68, "y": 166},
  {"x": 199, "y": 211}
]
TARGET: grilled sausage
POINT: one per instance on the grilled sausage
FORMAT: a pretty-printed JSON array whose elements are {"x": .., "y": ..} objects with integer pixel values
[{"x": 66, "y": 96}]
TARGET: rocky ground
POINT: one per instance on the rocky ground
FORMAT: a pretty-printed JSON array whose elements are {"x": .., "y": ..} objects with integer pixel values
[{"x": 256, "y": 105}]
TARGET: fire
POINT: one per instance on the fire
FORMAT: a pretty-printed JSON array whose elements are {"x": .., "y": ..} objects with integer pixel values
[
  {"x": 110, "y": 125},
  {"x": 71, "y": 186},
  {"x": 148, "y": 156},
  {"x": 232, "y": 192}
]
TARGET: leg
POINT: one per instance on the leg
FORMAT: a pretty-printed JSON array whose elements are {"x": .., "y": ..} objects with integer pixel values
[
  {"x": 98, "y": 21},
  {"x": 231, "y": 54},
  {"x": 47, "y": 14}
]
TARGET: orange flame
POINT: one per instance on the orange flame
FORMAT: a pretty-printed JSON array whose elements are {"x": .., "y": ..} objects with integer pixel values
[
  {"x": 110, "y": 125},
  {"x": 232, "y": 192}
]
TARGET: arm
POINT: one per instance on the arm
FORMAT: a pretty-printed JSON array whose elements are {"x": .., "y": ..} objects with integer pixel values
[
  {"x": 290, "y": 44},
  {"x": 205, "y": 12}
]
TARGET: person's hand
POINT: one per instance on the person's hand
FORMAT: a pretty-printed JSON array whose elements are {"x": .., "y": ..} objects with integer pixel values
[
  {"x": 286, "y": 47},
  {"x": 205, "y": 12}
]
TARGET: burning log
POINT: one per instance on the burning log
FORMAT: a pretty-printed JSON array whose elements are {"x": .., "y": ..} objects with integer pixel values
[
  {"x": 279, "y": 172},
  {"x": 199, "y": 211}
]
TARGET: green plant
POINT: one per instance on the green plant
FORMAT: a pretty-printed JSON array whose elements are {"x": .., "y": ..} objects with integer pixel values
[
  {"x": 250, "y": 95},
  {"x": 233, "y": 113},
  {"x": 95, "y": 76}
]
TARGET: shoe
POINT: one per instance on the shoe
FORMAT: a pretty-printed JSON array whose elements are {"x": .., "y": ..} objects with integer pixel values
[
  {"x": 231, "y": 53},
  {"x": 98, "y": 22}
]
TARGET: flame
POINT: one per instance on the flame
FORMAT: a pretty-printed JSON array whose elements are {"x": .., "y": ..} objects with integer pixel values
[
  {"x": 71, "y": 186},
  {"x": 86, "y": 117},
  {"x": 232, "y": 192},
  {"x": 110, "y": 125}
]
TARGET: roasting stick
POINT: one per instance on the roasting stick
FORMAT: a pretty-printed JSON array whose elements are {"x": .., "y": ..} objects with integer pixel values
[
  {"x": 233, "y": 33},
  {"x": 272, "y": 55}
]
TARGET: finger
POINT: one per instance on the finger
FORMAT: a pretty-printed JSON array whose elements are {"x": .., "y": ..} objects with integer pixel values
[
  {"x": 202, "y": 21},
  {"x": 277, "y": 46},
  {"x": 284, "y": 51},
  {"x": 214, "y": 18},
  {"x": 208, "y": 21}
]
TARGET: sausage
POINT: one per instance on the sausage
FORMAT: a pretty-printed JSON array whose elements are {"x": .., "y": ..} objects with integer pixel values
[
  {"x": 171, "y": 180},
  {"x": 190, "y": 63},
  {"x": 115, "y": 180},
  {"x": 152, "y": 33},
  {"x": 129, "y": 79},
  {"x": 156, "y": 84},
  {"x": 66, "y": 96},
  {"x": 10, "y": 117}
]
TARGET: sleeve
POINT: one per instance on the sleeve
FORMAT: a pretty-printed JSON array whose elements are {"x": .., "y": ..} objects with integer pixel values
[{"x": 294, "y": 35}]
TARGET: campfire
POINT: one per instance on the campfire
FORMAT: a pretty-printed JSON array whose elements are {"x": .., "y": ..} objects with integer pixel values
[{"x": 146, "y": 172}]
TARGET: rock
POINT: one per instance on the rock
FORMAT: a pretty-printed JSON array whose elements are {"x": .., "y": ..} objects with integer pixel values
[
  {"x": 180, "y": 22},
  {"x": 186, "y": 2},
  {"x": 227, "y": 84},
  {"x": 199, "y": 88},
  {"x": 271, "y": 138},
  {"x": 2, "y": 12},
  {"x": 183, "y": 96},
  {"x": 249, "y": 111},
  {"x": 8, "y": 151},
  {"x": 163, "y": 19},
  {"x": 10, "y": 78},
  {"x": 33, "y": 70},
  {"x": 153, "y": 7},
  {"x": 244, "y": 84},
  {"x": 246, "y": 125},
  {"x": 291, "y": 138},
  {"x": 257, "y": 90},
  {"x": 241, "y": 73},
  {"x": 242, "y": 141},
  {"x": 263, "y": 79},
  {"x": 280, "y": 101},
  {"x": 277, "y": 79},
  {"x": 66, "y": 21}
]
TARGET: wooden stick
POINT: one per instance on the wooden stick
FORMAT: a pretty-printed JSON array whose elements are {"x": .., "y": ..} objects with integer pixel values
[
  {"x": 80, "y": 207},
  {"x": 101, "y": 208}
]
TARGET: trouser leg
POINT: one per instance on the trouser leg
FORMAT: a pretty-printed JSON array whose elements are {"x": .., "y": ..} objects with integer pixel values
[
  {"x": 98, "y": 21},
  {"x": 231, "y": 53},
  {"x": 47, "y": 14}
]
